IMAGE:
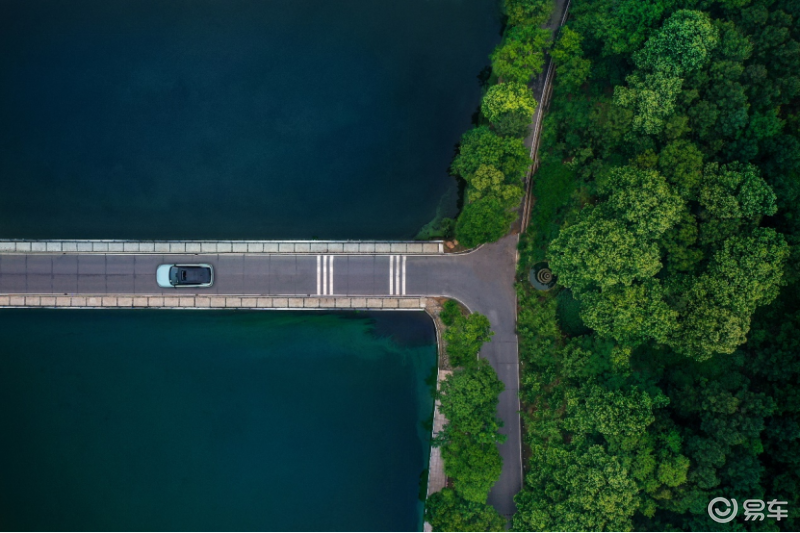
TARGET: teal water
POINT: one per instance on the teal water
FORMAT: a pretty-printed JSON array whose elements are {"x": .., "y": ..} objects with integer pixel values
[
  {"x": 234, "y": 119},
  {"x": 180, "y": 420}
]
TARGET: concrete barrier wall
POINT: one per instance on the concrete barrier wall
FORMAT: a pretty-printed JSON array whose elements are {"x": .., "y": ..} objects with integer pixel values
[
  {"x": 221, "y": 247},
  {"x": 210, "y": 302}
]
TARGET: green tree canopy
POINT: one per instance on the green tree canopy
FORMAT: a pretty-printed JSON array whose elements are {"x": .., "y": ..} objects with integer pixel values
[
  {"x": 447, "y": 511},
  {"x": 508, "y": 98},
  {"x": 521, "y": 55},
  {"x": 465, "y": 337},
  {"x": 601, "y": 252},
  {"x": 631, "y": 314},
  {"x": 469, "y": 399},
  {"x": 485, "y": 220},
  {"x": 682, "y": 45},
  {"x": 481, "y": 146},
  {"x": 643, "y": 199},
  {"x": 488, "y": 181},
  {"x": 571, "y": 67}
]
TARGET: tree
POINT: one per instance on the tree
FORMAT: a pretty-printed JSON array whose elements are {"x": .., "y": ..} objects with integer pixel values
[
  {"x": 488, "y": 181},
  {"x": 643, "y": 199},
  {"x": 601, "y": 252},
  {"x": 447, "y": 511},
  {"x": 682, "y": 46},
  {"x": 681, "y": 162},
  {"x": 508, "y": 98},
  {"x": 517, "y": 124},
  {"x": 481, "y": 146},
  {"x": 465, "y": 337},
  {"x": 744, "y": 274},
  {"x": 631, "y": 314},
  {"x": 469, "y": 399},
  {"x": 614, "y": 412},
  {"x": 571, "y": 67},
  {"x": 473, "y": 466},
  {"x": 528, "y": 12},
  {"x": 652, "y": 99},
  {"x": 736, "y": 191},
  {"x": 521, "y": 55},
  {"x": 485, "y": 220},
  {"x": 582, "y": 490},
  {"x": 451, "y": 311}
]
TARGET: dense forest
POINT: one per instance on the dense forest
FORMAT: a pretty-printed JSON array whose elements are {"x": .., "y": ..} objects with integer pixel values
[{"x": 662, "y": 372}]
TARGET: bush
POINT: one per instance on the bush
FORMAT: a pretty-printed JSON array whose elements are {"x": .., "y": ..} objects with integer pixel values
[
  {"x": 466, "y": 337},
  {"x": 485, "y": 220},
  {"x": 450, "y": 312},
  {"x": 447, "y": 511}
]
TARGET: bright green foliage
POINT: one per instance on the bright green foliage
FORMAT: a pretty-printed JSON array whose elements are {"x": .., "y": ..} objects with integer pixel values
[
  {"x": 521, "y": 55},
  {"x": 643, "y": 199},
  {"x": 488, "y": 181},
  {"x": 682, "y": 46},
  {"x": 602, "y": 253},
  {"x": 630, "y": 314},
  {"x": 480, "y": 146},
  {"x": 572, "y": 68},
  {"x": 743, "y": 275},
  {"x": 469, "y": 401},
  {"x": 447, "y": 511},
  {"x": 465, "y": 337},
  {"x": 620, "y": 412},
  {"x": 508, "y": 98},
  {"x": 528, "y": 12},
  {"x": 485, "y": 220},
  {"x": 652, "y": 99},
  {"x": 587, "y": 490}
]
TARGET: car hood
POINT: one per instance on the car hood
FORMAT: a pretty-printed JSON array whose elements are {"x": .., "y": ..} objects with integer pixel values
[{"x": 162, "y": 276}]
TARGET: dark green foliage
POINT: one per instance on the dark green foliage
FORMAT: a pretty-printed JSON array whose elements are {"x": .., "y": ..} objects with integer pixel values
[
  {"x": 447, "y": 511},
  {"x": 569, "y": 318},
  {"x": 553, "y": 184},
  {"x": 464, "y": 338},
  {"x": 469, "y": 439},
  {"x": 680, "y": 243},
  {"x": 485, "y": 220},
  {"x": 451, "y": 311}
]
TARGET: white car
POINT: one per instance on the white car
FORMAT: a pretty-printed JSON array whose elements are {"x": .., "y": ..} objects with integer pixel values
[{"x": 178, "y": 276}]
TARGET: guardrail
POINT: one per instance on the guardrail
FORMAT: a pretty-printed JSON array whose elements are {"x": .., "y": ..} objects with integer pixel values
[{"x": 221, "y": 247}]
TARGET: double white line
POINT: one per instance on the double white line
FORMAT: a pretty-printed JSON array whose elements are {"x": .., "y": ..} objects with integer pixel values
[
  {"x": 397, "y": 275},
  {"x": 325, "y": 274}
]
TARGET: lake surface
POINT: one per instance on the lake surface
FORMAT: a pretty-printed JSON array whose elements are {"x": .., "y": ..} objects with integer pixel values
[
  {"x": 180, "y": 420},
  {"x": 272, "y": 119}
]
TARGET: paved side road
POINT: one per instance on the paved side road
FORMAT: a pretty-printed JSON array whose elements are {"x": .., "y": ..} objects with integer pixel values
[{"x": 483, "y": 280}]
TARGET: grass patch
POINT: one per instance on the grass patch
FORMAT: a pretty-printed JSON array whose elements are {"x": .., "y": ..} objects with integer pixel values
[{"x": 553, "y": 185}]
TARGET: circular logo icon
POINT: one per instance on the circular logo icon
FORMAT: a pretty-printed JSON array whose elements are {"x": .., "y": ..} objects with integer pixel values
[{"x": 723, "y": 516}]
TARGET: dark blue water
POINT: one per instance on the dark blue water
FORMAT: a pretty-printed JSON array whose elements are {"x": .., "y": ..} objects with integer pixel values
[
  {"x": 231, "y": 118},
  {"x": 179, "y": 420}
]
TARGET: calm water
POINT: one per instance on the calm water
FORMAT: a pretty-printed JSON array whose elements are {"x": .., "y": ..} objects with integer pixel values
[
  {"x": 232, "y": 118},
  {"x": 165, "y": 420}
]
